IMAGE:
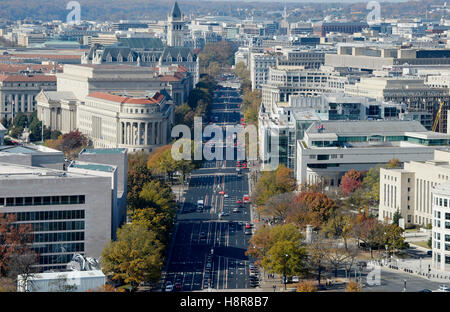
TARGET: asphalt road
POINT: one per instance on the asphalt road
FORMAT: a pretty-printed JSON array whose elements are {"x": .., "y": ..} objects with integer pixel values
[{"x": 202, "y": 232}]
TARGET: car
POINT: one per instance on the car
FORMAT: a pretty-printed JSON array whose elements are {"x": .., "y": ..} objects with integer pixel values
[
  {"x": 246, "y": 199},
  {"x": 208, "y": 265},
  {"x": 239, "y": 201},
  {"x": 425, "y": 290},
  {"x": 235, "y": 210},
  {"x": 223, "y": 214},
  {"x": 295, "y": 279},
  {"x": 247, "y": 225},
  {"x": 238, "y": 165},
  {"x": 222, "y": 193},
  {"x": 202, "y": 235},
  {"x": 169, "y": 287},
  {"x": 248, "y": 232},
  {"x": 178, "y": 286},
  {"x": 429, "y": 253},
  {"x": 444, "y": 288},
  {"x": 225, "y": 195}
]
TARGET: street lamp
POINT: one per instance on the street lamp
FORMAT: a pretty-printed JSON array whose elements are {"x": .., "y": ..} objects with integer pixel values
[
  {"x": 286, "y": 256},
  {"x": 404, "y": 285}
]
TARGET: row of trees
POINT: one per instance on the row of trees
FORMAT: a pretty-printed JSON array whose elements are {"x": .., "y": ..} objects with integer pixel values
[
  {"x": 215, "y": 56},
  {"x": 21, "y": 121},
  {"x": 138, "y": 253},
  {"x": 251, "y": 100},
  {"x": 199, "y": 102}
]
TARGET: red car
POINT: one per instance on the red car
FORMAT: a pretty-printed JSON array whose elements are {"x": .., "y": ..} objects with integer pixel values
[
  {"x": 239, "y": 201},
  {"x": 244, "y": 166},
  {"x": 222, "y": 193},
  {"x": 247, "y": 225},
  {"x": 238, "y": 165}
]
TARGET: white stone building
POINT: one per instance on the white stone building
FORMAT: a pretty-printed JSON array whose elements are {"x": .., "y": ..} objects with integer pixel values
[
  {"x": 123, "y": 121},
  {"x": 330, "y": 148}
]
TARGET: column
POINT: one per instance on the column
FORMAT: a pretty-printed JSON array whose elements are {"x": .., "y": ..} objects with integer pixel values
[
  {"x": 145, "y": 133},
  {"x": 139, "y": 133},
  {"x": 158, "y": 127},
  {"x": 153, "y": 133}
]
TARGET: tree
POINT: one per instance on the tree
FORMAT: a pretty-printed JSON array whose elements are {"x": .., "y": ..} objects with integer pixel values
[
  {"x": 393, "y": 237},
  {"x": 396, "y": 217},
  {"x": 137, "y": 177},
  {"x": 264, "y": 239},
  {"x": 161, "y": 162},
  {"x": 336, "y": 256},
  {"x": 278, "y": 207},
  {"x": 241, "y": 71},
  {"x": 339, "y": 226},
  {"x": 15, "y": 240},
  {"x": 259, "y": 244},
  {"x": 21, "y": 120},
  {"x": 157, "y": 210},
  {"x": 286, "y": 258},
  {"x": 273, "y": 183},
  {"x": 312, "y": 208},
  {"x": 350, "y": 182},
  {"x": 370, "y": 231},
  {"x": 134, "y": 257},
  {"x": 317, "y": 256}
]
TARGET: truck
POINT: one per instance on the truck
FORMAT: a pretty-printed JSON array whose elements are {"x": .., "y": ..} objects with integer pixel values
[{"x": 200, "y": 205}]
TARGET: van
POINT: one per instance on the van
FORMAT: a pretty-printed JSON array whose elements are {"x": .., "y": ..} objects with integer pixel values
[{"x": 200, "y": 205}]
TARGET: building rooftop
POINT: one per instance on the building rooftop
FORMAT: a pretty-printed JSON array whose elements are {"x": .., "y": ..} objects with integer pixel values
[
  {"x": 92, "y": 166},
  {"x": 27, "y": 149},
  {"x": 366, "y": 127},
  {"x": 103, "y": 151},
  {"x": 20, "y": 172},
  {"x": 157, "y": 98}
]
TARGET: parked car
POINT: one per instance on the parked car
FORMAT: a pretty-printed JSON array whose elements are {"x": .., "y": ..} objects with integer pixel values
[{"x": 295, "y": 279}]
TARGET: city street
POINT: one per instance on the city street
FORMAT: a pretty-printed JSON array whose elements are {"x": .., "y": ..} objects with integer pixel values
[{"x": 203, "y": 232}]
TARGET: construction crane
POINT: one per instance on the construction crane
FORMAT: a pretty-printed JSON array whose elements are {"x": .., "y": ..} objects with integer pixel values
[{"x": 438, "y": 115}]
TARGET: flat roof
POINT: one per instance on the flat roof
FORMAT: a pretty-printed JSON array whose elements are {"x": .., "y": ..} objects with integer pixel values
[
  {"x": 103, "y": 151},
  {"x": 68, "y": 274},
  {"x": 92, "y": 166},
  {"x": 20, "y": 172}
]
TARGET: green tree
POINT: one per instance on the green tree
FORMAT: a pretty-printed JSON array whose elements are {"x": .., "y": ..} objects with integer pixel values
[
  {"x": 339, "y": 226},
  {"x": 273, "y": 183},
  {"x": 287, "y": 258},
  {"x": 396, "y": 217},
  {"x": 20, "y": 120},
  {"x": 135, "y": 257}
]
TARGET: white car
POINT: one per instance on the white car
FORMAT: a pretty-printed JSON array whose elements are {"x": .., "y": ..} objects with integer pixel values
[
  {"x": 444, "y": 288},
  {"x": 295, "y": 279},
  {"x": 169, "y": 287},
  {"x": 225, "y": 195}
]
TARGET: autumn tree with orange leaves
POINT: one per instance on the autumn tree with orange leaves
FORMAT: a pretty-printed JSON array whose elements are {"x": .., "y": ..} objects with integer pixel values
[
  {"x": 312, "y": 208},
  {"x": 16, "y": 255}
]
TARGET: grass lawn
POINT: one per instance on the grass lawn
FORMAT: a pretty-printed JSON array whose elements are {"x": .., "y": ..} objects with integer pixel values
[{"x": 423, "y": 244}]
